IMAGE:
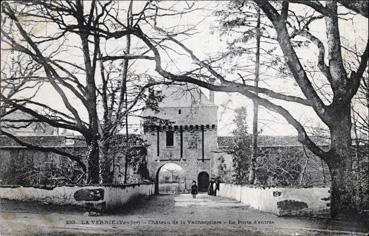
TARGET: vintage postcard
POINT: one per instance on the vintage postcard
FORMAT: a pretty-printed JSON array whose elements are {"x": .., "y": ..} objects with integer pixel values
[{"x": 148, "y": 117}]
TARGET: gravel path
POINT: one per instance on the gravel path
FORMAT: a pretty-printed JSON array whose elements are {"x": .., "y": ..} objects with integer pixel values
[{"x": 165, "y": 215}]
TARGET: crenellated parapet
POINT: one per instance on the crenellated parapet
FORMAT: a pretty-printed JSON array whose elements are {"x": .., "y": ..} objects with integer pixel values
[{"x": 160, "y": 128}]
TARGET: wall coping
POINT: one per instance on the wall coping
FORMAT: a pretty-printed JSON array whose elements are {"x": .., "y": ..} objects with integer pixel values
[
  {"x": 123, "y": 186},
  {"x": 277, "y": 187}
]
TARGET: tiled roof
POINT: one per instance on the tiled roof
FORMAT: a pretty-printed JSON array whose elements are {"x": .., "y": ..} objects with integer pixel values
[
  {"x": 52, "y": 140},
  {"x": 185, "y": 95},
  {"x": 270, "y": 141}
]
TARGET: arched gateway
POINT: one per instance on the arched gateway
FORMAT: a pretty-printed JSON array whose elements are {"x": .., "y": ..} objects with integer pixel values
[
  {"x": 170, "y": 178},
  {"x": 203, "y": 181},
  {"x": 189, "y": 139}
]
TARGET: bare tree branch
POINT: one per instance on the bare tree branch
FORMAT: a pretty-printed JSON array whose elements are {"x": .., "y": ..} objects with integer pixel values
[
  {"x": 302, "y": 135},
  {"x": 45, "y": 149}
]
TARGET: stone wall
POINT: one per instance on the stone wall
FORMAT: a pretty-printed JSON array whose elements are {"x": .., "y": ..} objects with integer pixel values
[
  {"x": 294, "y": 159},
  {"x": 194, "y": 115},
  {"x": 21, "y": 166},
  {"x": 280, "y": 201},
  {"x": 100, "y": 197},
  {"x": 45, "y": 141}
]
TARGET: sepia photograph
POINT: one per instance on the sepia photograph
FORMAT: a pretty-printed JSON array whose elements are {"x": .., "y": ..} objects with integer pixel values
[{"x": 163, "y": 117}]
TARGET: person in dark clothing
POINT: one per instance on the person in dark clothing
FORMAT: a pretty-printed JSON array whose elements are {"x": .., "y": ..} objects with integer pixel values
[
  {"x": 194, "y": 189},
  {"x": 211, "y": 187},
  {"x": 217, "y": 182}
]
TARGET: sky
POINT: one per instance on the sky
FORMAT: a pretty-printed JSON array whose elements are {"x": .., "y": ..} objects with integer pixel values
[{"x": 208, "y": 42}]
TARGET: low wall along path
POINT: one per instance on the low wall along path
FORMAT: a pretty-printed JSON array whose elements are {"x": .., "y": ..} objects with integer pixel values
[
  {"x": 280, "y": 201},
  {"x": 98, "y": 197}
]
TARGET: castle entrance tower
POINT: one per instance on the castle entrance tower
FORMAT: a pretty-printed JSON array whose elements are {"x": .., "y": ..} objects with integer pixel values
[{"x": 189, "y": 136}]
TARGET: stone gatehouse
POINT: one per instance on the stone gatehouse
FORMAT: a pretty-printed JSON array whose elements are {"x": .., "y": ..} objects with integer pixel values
[
  {"x": 188, "y": 138},
  {"x": 184, "y": 133}
]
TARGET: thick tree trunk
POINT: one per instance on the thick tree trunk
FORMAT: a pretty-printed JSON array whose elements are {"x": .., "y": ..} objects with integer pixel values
[
  {"x": 93, "y": 145},
  {"x": 93, "y": 162},
  {"x": 340, "y": 166},
  {"x": 106, "y": 163},
  {"x": 342, "y": 189}
]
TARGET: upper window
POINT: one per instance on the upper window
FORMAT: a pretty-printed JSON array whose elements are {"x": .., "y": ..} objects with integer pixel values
[
  {"x": 170, "y": 138},
  {"x": 179, "y": 111},
  {"x": 69, "y": 141}
]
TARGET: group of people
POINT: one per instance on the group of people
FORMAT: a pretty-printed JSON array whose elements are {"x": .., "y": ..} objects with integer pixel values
[
  {"x": 213, "y": 186},
  {"x": 212, "y": 189}
]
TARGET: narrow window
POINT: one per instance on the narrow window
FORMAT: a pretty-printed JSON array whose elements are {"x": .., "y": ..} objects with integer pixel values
[
  {"x": 170, "y": 138},
  {"x": 179, "y": 111},
  {"x": 181, "y": 137},
  {"x": 157, "y": 142},
  {"x": 202, "y": 143}
]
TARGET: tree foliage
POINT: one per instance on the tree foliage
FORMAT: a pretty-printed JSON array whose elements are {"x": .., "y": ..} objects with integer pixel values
[
  {"x": 240, "y": 148},
  {"x": 279, "y": 167}
]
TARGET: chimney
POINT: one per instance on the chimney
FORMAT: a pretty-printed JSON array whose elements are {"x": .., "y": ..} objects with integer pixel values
[{"x": 211, "y": 93}]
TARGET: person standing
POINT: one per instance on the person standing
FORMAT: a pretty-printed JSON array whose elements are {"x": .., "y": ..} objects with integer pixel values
[
  {"x": 194, "y": 189},
  {"x": 211, "y": 187},
  {"x": 217, "y": 182}
]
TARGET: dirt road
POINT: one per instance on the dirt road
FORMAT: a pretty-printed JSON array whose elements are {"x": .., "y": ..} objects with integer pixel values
[{"x": 165, "y": 215}]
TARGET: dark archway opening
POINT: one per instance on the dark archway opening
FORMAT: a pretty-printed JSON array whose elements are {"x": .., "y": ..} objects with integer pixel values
[
  {"x": 170, "y": 179},
  {"x": 203, "y": 181}
]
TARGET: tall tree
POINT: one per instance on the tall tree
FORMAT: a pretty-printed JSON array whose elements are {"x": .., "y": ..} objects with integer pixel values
[
  {"x": 344, "y": 83},
  {"x": 244, "y": 29},
  {"x": 240, "y": 148},
  {"x": 70, "y": 60},
  {"x": 254, "y": 152}
]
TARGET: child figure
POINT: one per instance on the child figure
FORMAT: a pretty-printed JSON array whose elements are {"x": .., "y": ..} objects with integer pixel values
[{"x": 194, "y": 189}]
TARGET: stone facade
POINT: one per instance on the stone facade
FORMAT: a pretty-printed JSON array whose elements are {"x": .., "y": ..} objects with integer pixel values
[
  {"x": 21, "y": 166},
  {"x": 189, "y": 136},
  {"x": 272, "y": 148}
]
